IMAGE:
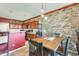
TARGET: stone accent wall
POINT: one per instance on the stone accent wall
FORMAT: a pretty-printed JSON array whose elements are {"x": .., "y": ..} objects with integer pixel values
[{"x": 65, "y": 21}]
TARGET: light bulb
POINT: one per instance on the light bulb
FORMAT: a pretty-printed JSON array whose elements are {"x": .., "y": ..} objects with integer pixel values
[
  {"x": 42, "y": 10},
  {"x": 46, "y": 18},
  {"x": 42, "y": 15}
]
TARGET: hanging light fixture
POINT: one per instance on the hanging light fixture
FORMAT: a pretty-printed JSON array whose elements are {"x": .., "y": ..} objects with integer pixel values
[
  {"x": 45, "y": 16},
  {"x": 43, "y": 9}
]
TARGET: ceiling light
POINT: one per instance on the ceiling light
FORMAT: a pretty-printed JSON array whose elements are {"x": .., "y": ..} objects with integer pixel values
[
  {"x": 42, "y": 10},
  {"x": 42, "y": 15}
]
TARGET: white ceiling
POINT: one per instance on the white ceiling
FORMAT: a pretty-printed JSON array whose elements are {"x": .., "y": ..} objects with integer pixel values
[{"x": 23, "y": 11}]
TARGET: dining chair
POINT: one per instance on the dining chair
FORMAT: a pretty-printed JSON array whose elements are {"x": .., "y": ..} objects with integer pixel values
[
  {"x": 46, "y": 51},
  {"x": 62, "y": 49},
  {"x": 35, "y": 49}
]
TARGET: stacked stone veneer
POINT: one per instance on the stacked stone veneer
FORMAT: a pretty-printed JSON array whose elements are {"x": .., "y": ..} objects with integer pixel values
[{"x": 65, "y": 21}]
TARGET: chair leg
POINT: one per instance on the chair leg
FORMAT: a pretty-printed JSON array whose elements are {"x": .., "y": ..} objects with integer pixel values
[{"x": 42, "y": 51}]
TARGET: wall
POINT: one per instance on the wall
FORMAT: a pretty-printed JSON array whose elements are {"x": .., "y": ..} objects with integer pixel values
[{"x": 64, "y": 20}]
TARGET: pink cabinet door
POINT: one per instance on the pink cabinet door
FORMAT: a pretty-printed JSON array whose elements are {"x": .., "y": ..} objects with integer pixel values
[{"x": 16, "y": 40}]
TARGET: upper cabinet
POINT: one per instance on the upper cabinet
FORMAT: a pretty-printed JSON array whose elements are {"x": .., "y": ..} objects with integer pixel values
[
  {"x": 15, "y": 26},
  {"x": 4, "y": 27},
  {"x": 31, "y": 25},
  {"x": 10, "y": 23}
]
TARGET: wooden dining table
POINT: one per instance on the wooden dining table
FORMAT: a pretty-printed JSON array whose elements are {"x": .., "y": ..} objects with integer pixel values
[{"x": 49, "y": 44}]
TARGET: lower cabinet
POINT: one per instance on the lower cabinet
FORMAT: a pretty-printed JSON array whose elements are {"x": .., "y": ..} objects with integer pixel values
[{"x": 16, "y": 40}]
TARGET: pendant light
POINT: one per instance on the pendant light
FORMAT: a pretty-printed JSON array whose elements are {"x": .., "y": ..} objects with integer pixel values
[
  {"x": 43, "y": 9},
  {"x": 45, "y": 16}
]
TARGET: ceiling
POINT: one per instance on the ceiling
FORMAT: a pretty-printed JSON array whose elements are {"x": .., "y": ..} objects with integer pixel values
[{"x": 24, "y": 11}]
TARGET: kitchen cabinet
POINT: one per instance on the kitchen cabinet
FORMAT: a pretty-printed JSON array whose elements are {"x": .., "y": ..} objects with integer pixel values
[
  {"x": 31, "y": 36},
  {"x": 4, "y": 27},
  {"x": 16, "y": 36},
  {"x": 17, "y": 40},
  {"x": 31, "y": 25},
  {"x": 15, "y": 26}
]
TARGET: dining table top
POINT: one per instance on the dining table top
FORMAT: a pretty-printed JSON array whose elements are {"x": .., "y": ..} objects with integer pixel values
[{"x": 49, "y": 44}]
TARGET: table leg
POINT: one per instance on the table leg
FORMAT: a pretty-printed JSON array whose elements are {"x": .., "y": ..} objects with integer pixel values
[{"x": 52, "y": 53}]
